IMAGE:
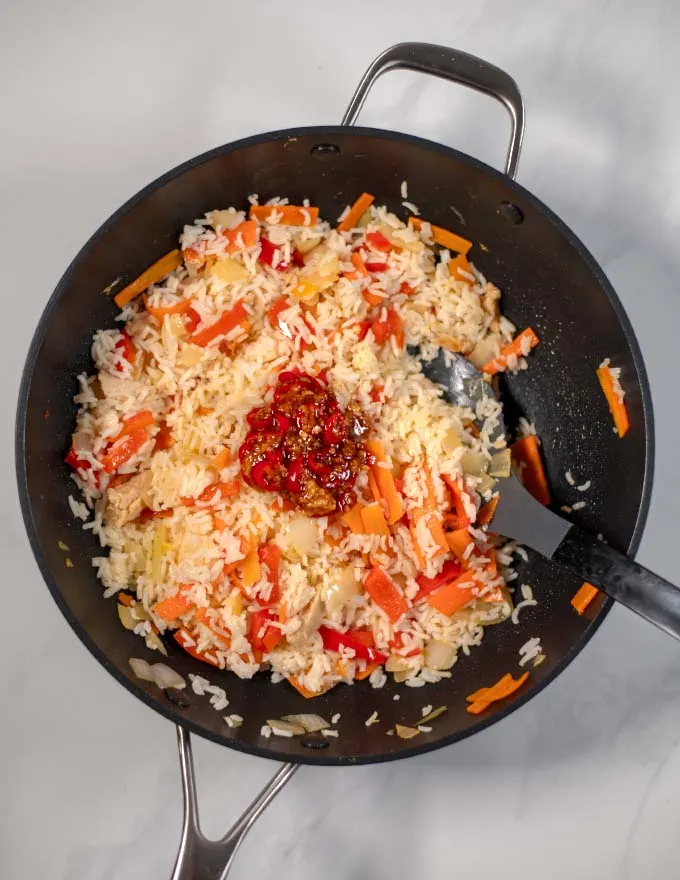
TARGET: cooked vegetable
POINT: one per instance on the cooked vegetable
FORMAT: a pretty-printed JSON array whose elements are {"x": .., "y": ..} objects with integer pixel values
[
  {"x": 155, "y": 273},
  {"x": 140, "y": 420},
  {"x": 301, "y": 536},
  {"x": 500, "y": 464},
  {"x": 360, "y": 641},
  {"x": 461, "y": 270},
  {"x": 449, "y": 572},
  {"x": 461, "y": 517},
  {"x": 486, "y": 512},
  {"x": 285, "y": 728},
  {"x": 229, "y": 270},
  {"x": 250, "y": 569},
  {"x": 285, "y": 215},
  {"x": 165, "y": 677},
  {"x": 385, "y": 594},
  {"x": 351, "y": 220},
  {"x": 455, "y": 594},
  {"x": 443, "y": 237},
  {"x": 264, "y": 637},
  {"x": 341, "y": 588},
  {"x": 353, "y": 518},
  {"x": 481, "y": 700},
  {"x": 311, "y": 723},
  {"x": 141, "y": 668},
  {"x": 440, "y": 655},
  {"x": 123, "y": 450},
  {"x": 435, "y": 713},
  {"x": 527, "y": 453},
  {"x": 242, "y": 236},
  {"x": 459, "y": 540},
  {"x": 585, "y": 594},
  {"x": 173, "y": 607},
  {"x": 159, "y": 312},
  {"x": 617, "y": 407},
  {"x": 225, "y": 324},
  {"x": 359, "y": 265},
  {"x": 385, "y": 482},
  {"x": 391, "y": 326},
  {"x": 404, "y": 732},
  {"x": 184, "y": 639},
  {"x": 305, "y": 692},
  {"x": 373, "y": 519},
  {"x": 520, "y": 346}
]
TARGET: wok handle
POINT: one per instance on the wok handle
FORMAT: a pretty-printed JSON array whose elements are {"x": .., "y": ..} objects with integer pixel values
[
  {"x": 455, "y": 66},
  {"x": 202, "y": 859},
  {"x": 625, "y": 580}
]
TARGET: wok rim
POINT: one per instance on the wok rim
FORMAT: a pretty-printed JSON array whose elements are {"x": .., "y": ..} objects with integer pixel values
[{"x": 322, "y": 758}]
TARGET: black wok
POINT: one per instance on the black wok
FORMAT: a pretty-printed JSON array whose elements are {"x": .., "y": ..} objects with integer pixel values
[{"x": 548, "y": 279}]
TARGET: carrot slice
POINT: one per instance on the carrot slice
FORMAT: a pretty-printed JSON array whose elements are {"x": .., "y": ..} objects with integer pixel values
[
  {"x": 173, "y": 607},
  {"x": 353, "y": 519},
  {"x": 242, "y": 236},
  {"x": 481, "y": 700},
  {"x": 185, "y": 640},
  {"x": 459, "y": 540},
  {"x": 520, "y": 345},
  {"x": 443, "y": 237},
  {"x": 416, "y": 546},
  {"x": 585, "y": 594},
  {"x": 159, "y": 312},
  {"x": 156, "y": 272},
  {"x": 224, "y": 324},
  {"x": 222, "y": 459},
  {"x": 362, "y": 204},
  {"x": 385, "y": 594},
  {"x": 461, "y": 270},
  {"x": 462, "y": 518},
  {"x": 527, "y": 452},
  {"x": 293, "y": 215},
  {"x": 372, "y": 298},
  {"x": 384, "y": 480},
  {"x": 373, "y": 486},
  {"x": 137, "y": 422},
  {"x": 250, "y": 569},
  {"x": 359, "y": 265},
  {"x": 616, "y": 406},
  {"x": 373, "y": 520},
  {"x": 486, "y": 513},
  {"x": 455, "y": 595}
]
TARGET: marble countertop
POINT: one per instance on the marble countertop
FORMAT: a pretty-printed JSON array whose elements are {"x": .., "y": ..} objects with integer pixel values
[{"x": 100, "y": 98}]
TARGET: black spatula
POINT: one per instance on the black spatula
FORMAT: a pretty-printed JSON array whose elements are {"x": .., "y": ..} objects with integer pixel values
[{"x": 520, "y": 517}]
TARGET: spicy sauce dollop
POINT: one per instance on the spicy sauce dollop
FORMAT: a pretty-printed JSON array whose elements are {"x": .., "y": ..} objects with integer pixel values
[{"x": 304, "y": 446}]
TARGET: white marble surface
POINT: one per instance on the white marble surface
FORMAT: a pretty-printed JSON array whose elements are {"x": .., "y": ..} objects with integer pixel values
[{"x": 100, "y": 97}]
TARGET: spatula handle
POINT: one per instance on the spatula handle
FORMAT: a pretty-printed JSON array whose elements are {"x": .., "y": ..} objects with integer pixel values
[{"x": 622, "y": 578}]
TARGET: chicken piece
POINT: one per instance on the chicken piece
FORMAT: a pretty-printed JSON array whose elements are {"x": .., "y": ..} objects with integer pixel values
[{"x": 125, "y": 501}]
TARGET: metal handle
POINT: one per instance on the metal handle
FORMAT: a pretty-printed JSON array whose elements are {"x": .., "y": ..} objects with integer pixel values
[
  {"x": 457, "y": 67},
  {"x": 202, "y": 859}
]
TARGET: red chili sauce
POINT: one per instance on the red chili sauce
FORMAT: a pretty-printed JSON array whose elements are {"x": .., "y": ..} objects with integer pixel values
[{"x": 305, "y": 447}]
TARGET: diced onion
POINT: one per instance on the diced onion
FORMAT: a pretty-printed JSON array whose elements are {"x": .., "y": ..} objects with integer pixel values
[
  {"x": 126, "y": 617},
  {"x": 311, "y": 723},
  {"x": 342, "y": 587},
  {"x": 285, "y": 728},
  {"x": 439, "y": 655},
  {"x": 154, "y": 643},
  {"x": 396, "y": 663},
  {"x": 301, "y": 536},
  {"x": 166, "y": 677},
  {"x": 500, "y": 464},
  {"x": 141, "y": 668},
  {"x": 474, "y": 463}
]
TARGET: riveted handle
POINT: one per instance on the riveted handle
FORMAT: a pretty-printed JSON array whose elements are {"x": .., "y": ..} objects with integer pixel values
[{"x": 455, "y": 66}]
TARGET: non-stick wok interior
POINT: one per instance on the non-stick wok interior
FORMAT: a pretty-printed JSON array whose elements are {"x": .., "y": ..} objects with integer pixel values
[{"x": 548, "y": 281}]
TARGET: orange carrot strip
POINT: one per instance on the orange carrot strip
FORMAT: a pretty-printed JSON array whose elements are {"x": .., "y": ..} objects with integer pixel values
[
  {"x": 250, "y": 569},
  {"x": 616, "y": 406},
  {"x": 159, "y": 270},
  {"x": 372, "y": 298},
  {"x": 361, "y": 674},
  {"x": 373, "y": 486},
  {"x": 359, "y": 264},
  {"x": 456, "y": 594},
  {"x": 585, "y": 594},
  {"x": 527, "y": 452},
  {"x": 486, "y": 512},
  {"x": 385, "y": 594},
  {"x": 353, "y": 519},
  {"x": 125, "y": 599},
  {"x": 184, "y": 638},
  {"x": 293, "y": 215},
  {"x": 505, "y": 687},
  {"x": 459, "y": 540},
  {"x": 242, "y": 236},
  {"x": 527, "y": 339},
  {"x": 362, "y": 204},
  {"x": 224, "y": 324},
  {"x": 137, "y": 422},
  {"x": 219, "y": 524},
  {"x": 173, "y": 607},
  {"x": 416, "y": 546},
  {"x": 461, "y": 269},
  {"x": 159, "y": 312},
  {"x": 384, "y": 480},
  {"x": 437, "y": 531},
  {"x": 373, "y": 520},
  {"x": 443, "y": 237}
]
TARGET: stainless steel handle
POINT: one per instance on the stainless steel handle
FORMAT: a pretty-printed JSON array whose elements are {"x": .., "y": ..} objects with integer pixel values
[
  {"x": 457, "y": 67},
  {"x": 202, "y": 859}
]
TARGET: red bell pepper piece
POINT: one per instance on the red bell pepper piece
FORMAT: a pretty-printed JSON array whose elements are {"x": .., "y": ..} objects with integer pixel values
[
  {"x": 164, "y": 438},
  {"x": 356, "y": 640},
  {"x": 122, "y": 450},
  {"x": 268, "y": 639},
  {"x": 267, "y": 253},
  {"x": 378, "y": 241},
  {"x": 376, "y": 267},
  {"x": 191, "y": 320},
  {"x": 450, "y": 571},
  {"x": 184, "y": 639},
  {"x": 127, "y": 349},
  {"x": 78, "y": 464},
  {"x": 270, "y": 556}
]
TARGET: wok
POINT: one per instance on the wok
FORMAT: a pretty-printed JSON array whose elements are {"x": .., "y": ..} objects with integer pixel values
[{"x": 548, "y": 279}]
